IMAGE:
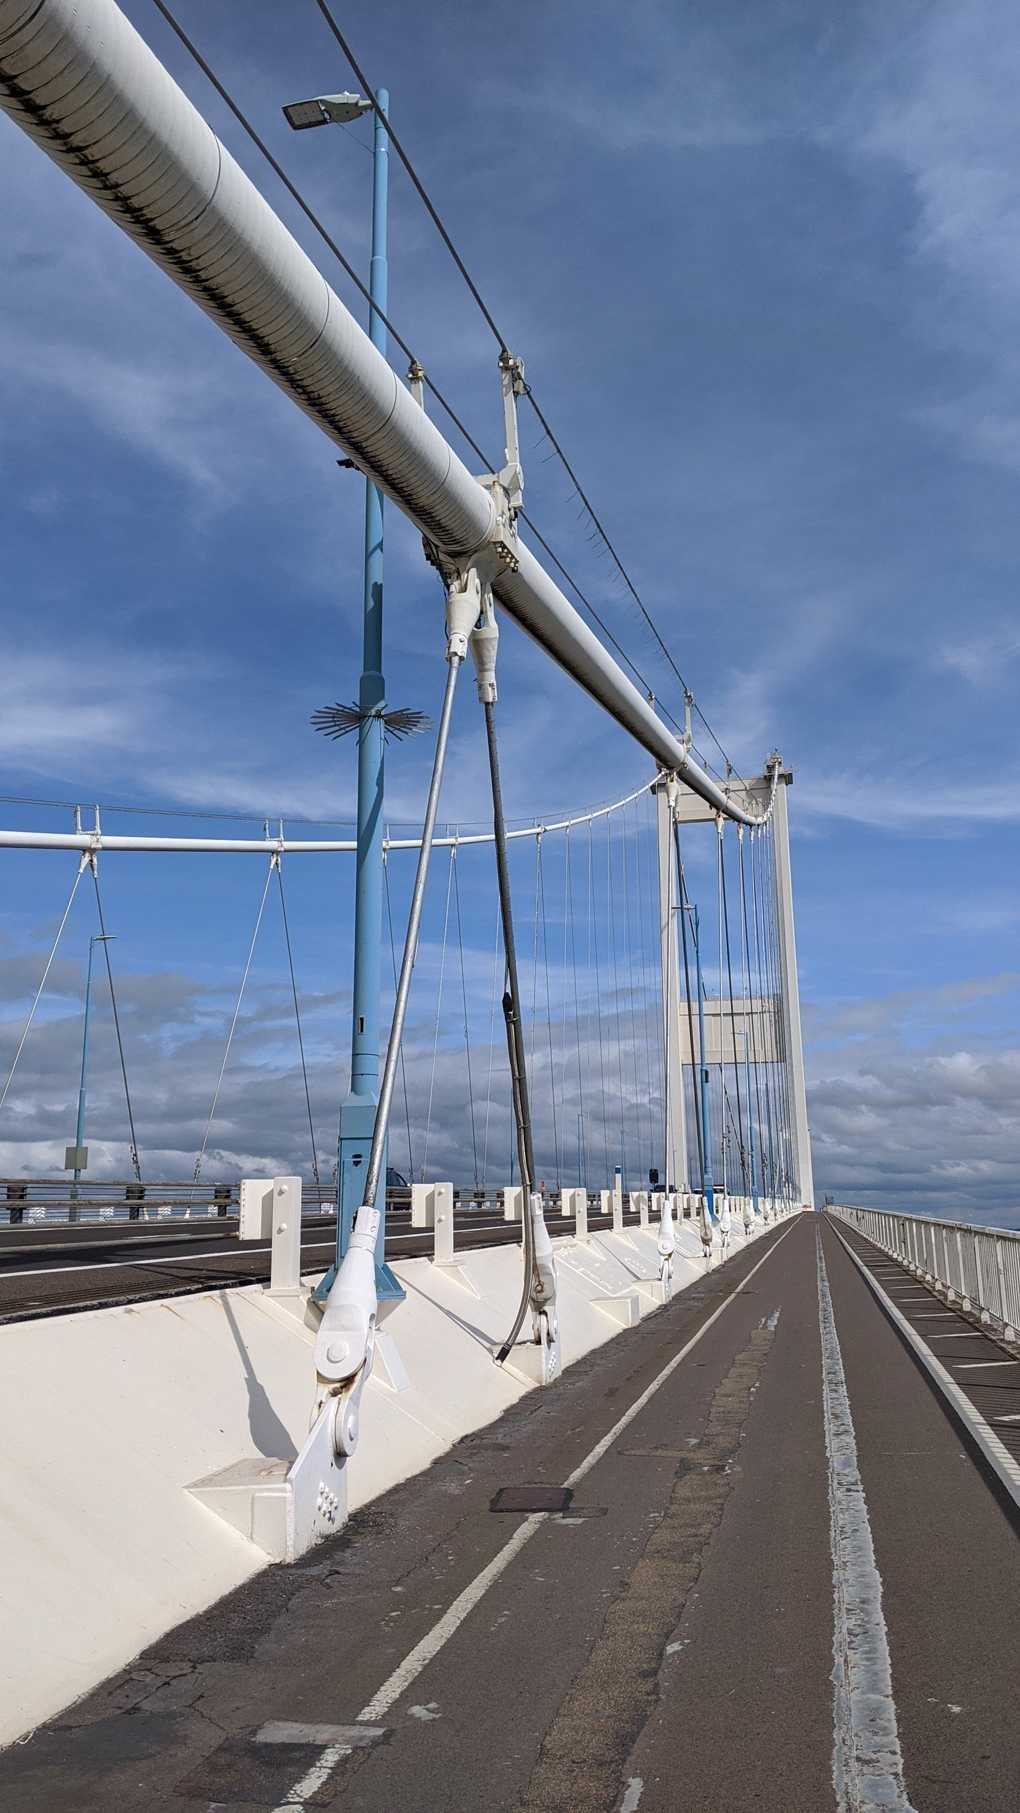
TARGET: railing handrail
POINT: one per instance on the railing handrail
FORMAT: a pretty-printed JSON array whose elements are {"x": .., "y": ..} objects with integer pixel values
[
  {"x": 928, "y": 1221},
  {"x": 977, "y": 1267}
]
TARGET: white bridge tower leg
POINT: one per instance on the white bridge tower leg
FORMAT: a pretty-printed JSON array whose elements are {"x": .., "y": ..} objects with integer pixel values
[
  {"x": 676, "y": 1131},
  {"x": 800, "y": 1137}
]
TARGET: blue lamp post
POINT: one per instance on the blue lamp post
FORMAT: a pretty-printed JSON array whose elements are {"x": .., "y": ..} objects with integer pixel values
[
  {"x": 79, "y": 1152},
  {"x": 357, "y": 1113}
]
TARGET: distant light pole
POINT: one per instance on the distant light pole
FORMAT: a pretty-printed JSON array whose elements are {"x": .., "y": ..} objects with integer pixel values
[
  {"x": 357, "y": 1114},
  {"x": 76, "y": 1157}
]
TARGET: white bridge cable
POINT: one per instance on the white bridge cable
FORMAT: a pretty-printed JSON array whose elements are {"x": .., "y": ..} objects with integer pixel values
[
  {"x": 328, "y": 240},
  {"x": 230, "y": 1036},
  {"x": 92, "y": 842},
  {"x": 38, "y": 993},
  {"x": 161, "y": 174},
  {"x": 528, "y": 392}
]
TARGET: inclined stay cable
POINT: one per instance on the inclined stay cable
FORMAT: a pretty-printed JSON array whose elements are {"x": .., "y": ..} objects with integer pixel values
[
  {"x": 382, "y": 1113},
  {"x": 403, "y": 1071},
  {"x": 684, "y": 910},
  {"x": 297, "y": 1018},
  {"x": 273, "y": 860},
  {"x": 492, "y": 1049},
  {"x": 467, "y": 1039},
  {"x": 514, "y": 1039},
  {"x": 42, "y": 985},
  {"x": 748, "y": 1022},
  {"x": 439, "y": 1009},
  {"x": 116, "y": 1023},
  {"x": 733, "y": 1016}
]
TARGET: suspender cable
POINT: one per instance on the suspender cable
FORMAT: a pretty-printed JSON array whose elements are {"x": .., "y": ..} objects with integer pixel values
[
  {"x": 273, "y": 860},
  {"x": 748, "y": 1022},
  {"x": 297, "y": 1019},
  {"x": 514, "y": 1039},
  {"x": 733, "y": 1018},
  {"x": 464, "y": 1003},
  {"x": 389, "y": 1076},
  {"x": 684, "y": 910},
  {"x": 116, "y": 1022},
  {"x": 403, "y": 1071},
  {"x": 42, "y": 985}
]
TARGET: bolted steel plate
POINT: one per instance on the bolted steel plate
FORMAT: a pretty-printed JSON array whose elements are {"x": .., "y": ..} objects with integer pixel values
[{"x": 532, "y": 1498}]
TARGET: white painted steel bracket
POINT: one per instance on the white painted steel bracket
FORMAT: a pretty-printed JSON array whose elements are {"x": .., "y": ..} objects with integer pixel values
[{"x": 666, "y": 1246}]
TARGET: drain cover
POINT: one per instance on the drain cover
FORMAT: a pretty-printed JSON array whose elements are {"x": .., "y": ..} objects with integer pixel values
[{"x": 532, "y": 1498}]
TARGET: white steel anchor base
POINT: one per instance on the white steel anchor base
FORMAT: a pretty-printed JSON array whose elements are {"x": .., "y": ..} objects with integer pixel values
[{"x": 285, "y": 1506}]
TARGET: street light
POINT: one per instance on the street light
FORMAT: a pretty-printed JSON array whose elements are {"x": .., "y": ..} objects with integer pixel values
[
  {"x": 358, "y": 1111},
  {"x": 76, "y": 1157},
  {"x": 326, "y": 110}
]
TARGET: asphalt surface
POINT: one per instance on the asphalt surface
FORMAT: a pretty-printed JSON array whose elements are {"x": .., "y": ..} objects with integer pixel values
[
  {"x": 52, "y": 1270},
  {"x": 666, "y": 1644}
]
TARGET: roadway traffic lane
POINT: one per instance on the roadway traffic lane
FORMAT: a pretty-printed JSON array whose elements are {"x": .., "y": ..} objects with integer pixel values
[
  {"x": 949, "y": 1555},
  {"x": 313, "y": 1643}
]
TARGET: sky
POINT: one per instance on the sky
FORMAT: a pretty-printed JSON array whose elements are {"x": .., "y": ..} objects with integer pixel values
[{"x": 763, "y": 264}]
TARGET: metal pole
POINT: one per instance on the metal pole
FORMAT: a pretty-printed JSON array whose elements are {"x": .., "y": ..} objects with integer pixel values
[
  {"x": 709, "y": 1199},
  {"x": 358, "y": 1113}
]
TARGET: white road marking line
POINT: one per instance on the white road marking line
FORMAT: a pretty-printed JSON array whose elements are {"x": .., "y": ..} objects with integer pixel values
[
  {"x": 287, "y": 1731},
  {"x": 635, "y": 1788},
  {"x": 125, "y": 1265},
  {"x": 969, "y": 1336},
  {"x": 338, "y": 1741},
  {"x": 867, "y": 1763},
  {"x": 430, "y": 1645},
  {"x": 980, "y": 1365},
  {"x": 314, "y": 1778}
]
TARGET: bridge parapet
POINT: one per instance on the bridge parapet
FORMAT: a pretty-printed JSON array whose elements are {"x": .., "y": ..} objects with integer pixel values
[{"x": 978, "y": 1268}]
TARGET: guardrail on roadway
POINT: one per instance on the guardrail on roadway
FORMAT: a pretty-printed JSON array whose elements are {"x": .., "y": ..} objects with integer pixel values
[{"x": 977, "y": 1267}]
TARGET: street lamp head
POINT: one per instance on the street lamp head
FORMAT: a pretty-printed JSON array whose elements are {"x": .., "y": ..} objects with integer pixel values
[{"x": 326, "y": 110}]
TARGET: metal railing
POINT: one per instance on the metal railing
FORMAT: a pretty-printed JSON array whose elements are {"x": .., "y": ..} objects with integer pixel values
[
  {"x": 31, "y": 1200},
  {"x": 979, "y": 1268}
]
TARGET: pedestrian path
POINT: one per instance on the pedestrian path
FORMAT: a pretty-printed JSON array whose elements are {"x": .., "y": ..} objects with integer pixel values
[{"x": 785, "y": 1579}]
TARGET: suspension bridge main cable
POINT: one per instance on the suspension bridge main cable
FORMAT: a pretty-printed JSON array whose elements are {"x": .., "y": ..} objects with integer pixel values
[
  {"x": 504, "y": 349},
  {"x": 346, "y": 265}
]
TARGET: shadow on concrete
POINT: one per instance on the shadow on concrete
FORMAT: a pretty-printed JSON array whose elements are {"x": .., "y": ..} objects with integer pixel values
[{"x": 269, "y": 1435}]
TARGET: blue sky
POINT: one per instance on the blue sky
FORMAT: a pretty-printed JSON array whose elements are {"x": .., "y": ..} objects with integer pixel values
[{"x": 762, "y": 264}]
